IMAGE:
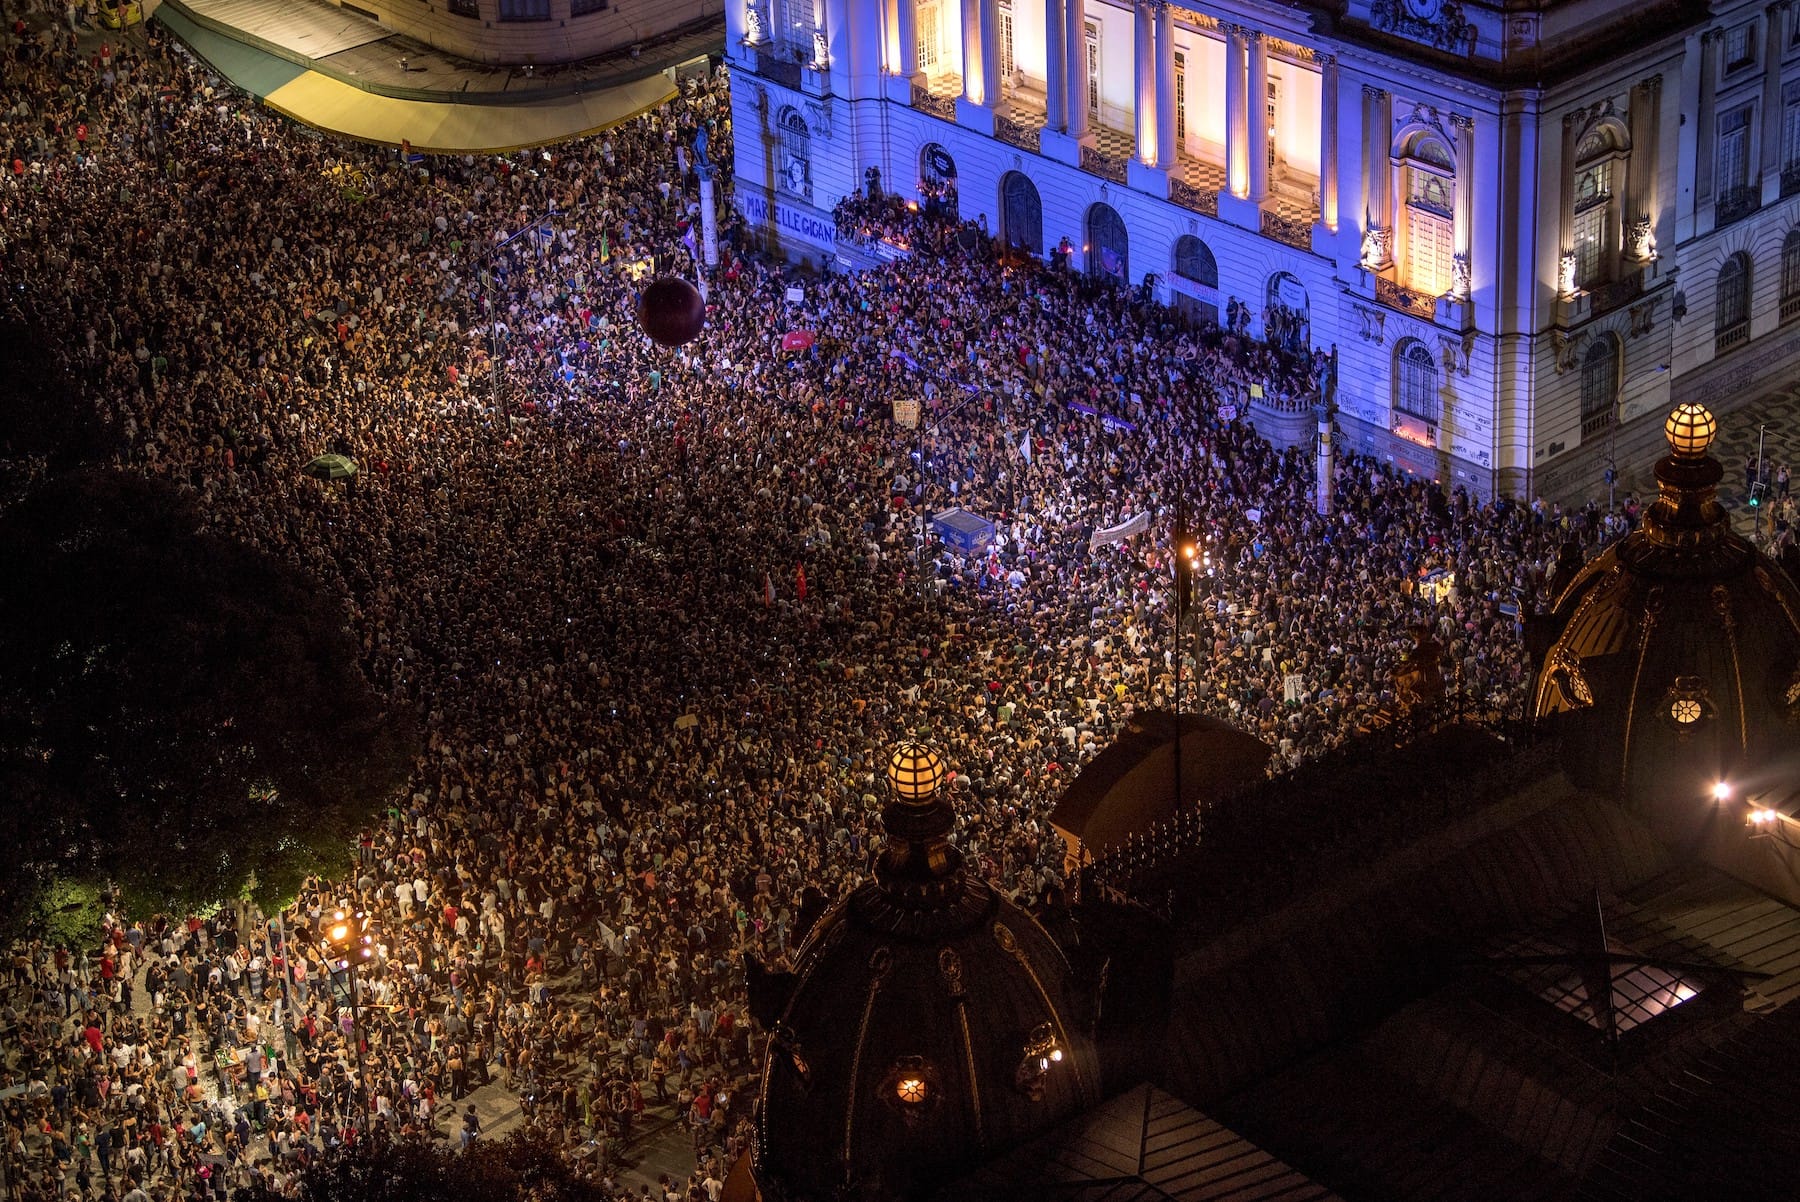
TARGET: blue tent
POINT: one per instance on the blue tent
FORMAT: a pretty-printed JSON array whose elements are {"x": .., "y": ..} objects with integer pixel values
[{"x": 964, "y": 532}]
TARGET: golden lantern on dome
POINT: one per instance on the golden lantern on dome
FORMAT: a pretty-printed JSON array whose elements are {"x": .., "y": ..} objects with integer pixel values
[
  {"x": 1690, "y": 430},
  {"x": 915, "y": 771}
]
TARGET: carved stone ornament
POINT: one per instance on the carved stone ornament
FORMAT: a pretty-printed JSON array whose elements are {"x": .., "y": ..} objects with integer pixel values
[
  {"x": 1457, "y": 350},
  {"x": 1459, "y": 278},
  {"x": 1438, "y": 23},
  {"x": 818, "y": 119},
  {"x": 1373, "y": 321},
  {"x": 756, "y": 28},
  {"x": 1565, "y": 273},
  {"x": 1566, "y": 347},
  {"x": 1377, "y": 248},
  {"x": 1638, "y": 241},
  {"x": 1643, "y": 316}
]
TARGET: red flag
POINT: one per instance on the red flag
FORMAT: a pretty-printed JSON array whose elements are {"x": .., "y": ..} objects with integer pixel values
[
  {"x": 800, "y": 582},
  {"x": 768, "y": 591}
]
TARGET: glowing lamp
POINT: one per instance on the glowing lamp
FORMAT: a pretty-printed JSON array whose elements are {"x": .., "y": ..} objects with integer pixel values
[
  {"x": 914, "y": 771},
  {"x": 911, "y": 1090},
  {"x": 1721, "y": 791},
  {"x": 1690, "y": 430},
  {"x": 339, "y": 933},
  {"x": 671, "y": 311}
]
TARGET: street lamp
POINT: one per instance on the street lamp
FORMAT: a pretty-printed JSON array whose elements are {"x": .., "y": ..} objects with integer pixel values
[{"x": 349, "y": 941}]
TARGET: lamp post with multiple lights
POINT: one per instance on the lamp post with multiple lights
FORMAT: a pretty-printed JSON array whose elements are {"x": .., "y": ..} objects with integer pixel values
[{"x": 349, "y": 941}]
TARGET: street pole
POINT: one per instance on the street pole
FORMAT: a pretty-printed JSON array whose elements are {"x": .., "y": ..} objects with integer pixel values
[{"x": 1758, "y": 492}]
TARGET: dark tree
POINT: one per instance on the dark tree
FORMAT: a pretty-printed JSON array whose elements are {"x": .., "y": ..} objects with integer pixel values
[
  {"x": 527, "y": 1166},
  {"x": 181, "y": 715},
  {"x": 46, "y": 424}
]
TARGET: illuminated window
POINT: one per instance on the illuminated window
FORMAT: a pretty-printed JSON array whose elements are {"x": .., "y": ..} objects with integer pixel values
[
  {"x": 929, "y": 25},
  {"x": 1686, "y": 711},
  {"x": 1416, "y": 385},
  {"x": 1430, "y": 192},
  {"x": 1092, "y": 34},
  {"x": 1006, "y": 46},
  {"x": 1180, "y": 100}
]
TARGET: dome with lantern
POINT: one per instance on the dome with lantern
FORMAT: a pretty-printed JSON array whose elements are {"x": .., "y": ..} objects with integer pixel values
[
  {"x": 1674, "y": 656},
  {"x": 928, "y": 1022}
]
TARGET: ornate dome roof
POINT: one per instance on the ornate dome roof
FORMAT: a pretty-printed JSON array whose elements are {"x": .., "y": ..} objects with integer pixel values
[
  {"x": 1675, "y": 650},
  {"x": 928, "y": 1023}
]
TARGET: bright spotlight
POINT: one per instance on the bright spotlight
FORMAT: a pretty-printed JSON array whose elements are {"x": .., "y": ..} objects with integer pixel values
[{"x": 1721, "y": 791}]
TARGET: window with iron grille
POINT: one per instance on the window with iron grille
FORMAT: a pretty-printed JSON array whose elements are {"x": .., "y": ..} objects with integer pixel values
[
  {"x": 1733, "y": 161},
  {"x": 581, "y": 8},
  {"x": 1599, "y": 384},
  {"x": 1731, "y": 304},
  {"x": 796, "y": 156},
  {"x": 1790, "y": 275},
  {"x": 1740, "y": 47},
  {"x": 1416, "y": 384},
  {"x": 1180, "y": 100},
  {"x": 1006, "y": 46},
  {"x": 928, "y": 26},
  {"x": 524, "y": 10},
  {"x": 465, "y": 8}
]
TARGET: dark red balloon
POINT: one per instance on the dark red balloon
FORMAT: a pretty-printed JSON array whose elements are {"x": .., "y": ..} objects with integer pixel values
[{"x": 671, "y": 311}]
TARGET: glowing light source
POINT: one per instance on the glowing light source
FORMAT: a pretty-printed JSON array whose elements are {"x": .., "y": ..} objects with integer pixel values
[
  {"x": 1721, "y": 791},
  {"x": 1690, "y": 430},
  {"x": 915, "y": 771},
  {"x": 1686, "y": 711},
  {"x": 911, "y": 1090}
]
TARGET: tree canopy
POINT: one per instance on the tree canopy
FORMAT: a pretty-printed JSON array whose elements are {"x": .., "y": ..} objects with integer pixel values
[{"x": 181, "y": 715}]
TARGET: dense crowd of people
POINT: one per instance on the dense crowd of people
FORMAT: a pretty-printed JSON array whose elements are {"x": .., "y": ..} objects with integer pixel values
[{"x": 660, "y": 612}]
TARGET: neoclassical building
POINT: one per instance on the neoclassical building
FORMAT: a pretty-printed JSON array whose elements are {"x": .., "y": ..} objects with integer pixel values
[{"x": 1522, "y": 228}]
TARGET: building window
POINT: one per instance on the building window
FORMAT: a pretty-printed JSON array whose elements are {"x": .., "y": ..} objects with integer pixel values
[
  {"x": 1091, "y": 32},
  {"x": 1270, "y": 129},
  {"x": 1180, "y": 101},
  {"x": 1600, "y": 160},
  {"x": 1416, "y": 385},
  {"x": 1740, "y": 47},
  {"x": 796, "y": 155},
  {"x": 581, "y": 8},
  {"x": 524, "y": 10},
  {"x": 1006, "y": 48},
  {"x": 1734, "y": 196},
  {"x": 929, "y": 39},
  {"x": 1790, "y": 137},
  {"x": 465, "y": 8},
  {"x": 1790, "y": 276},
  {"x": 795, "y": 26},
  {"x": 1430, "y": 189},
  {"x": 1599, "y": 384},
  {"x": 1731, "y": 304}
]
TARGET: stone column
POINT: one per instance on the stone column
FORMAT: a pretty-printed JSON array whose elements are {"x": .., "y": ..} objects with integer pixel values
[
  {"x": 1328, "y": 141},
  {"x": 1143, "y": 92},
  {"x": 709, "y": 218},
  {"x": 1707, "y": 122},
  {"x": 1075, "y": 84},
  {"x": 1378, "y": 227},
  {"x": 1565, "y": 267},
  {"x": 1166, "y": 149},
  {"x": 1462, "y": 209},
  {"x": 1769, "y": 158},
  {"x": 1056, "y": 65},
  {"x": 971, "y": 51},
  {"x": 906, "y": 29},
  {"x": 735, "y": 26},
  {"x": 992, "y": 86},
  {"x": 1640, "y": 172},
  {"x": 1237, "y": 159},
  {"x": 1259, "y": 116}
]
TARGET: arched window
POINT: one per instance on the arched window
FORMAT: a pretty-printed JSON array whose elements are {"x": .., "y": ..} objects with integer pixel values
[
  {"x": 937, "y": 180},
  {"x": 1429, "y": 175},
  {"x": 1416, "y": 385},
  {"x": 1599, "y": 171},
  {"x": 1731, "y": 304},
  {"x": 1790, "y": 275},
  {"x": 1196, "y": 283},
  {"x": 1021, "y": 214},
  {"x": 1194, "y": 261},
  {"x": 1108, "y": 247},
  {"x": 796, "y": 155},
  {"x": 1599, "y": 384}
]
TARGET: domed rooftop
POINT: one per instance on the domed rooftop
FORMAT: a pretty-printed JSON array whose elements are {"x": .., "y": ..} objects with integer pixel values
[
  {"x": 928, "y": 1023},
  {"x": 1675, "y": 650}
]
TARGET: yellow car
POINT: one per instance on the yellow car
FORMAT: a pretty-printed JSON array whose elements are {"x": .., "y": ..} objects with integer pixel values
[{"x": 120, "y": 14}]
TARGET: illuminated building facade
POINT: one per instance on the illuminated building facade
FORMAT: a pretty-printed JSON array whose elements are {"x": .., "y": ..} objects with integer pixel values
[{"x": 1517, "y": 227}]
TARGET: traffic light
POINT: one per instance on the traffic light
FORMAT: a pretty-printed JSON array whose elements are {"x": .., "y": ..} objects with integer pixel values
[{"x": 1756, "y": 491}]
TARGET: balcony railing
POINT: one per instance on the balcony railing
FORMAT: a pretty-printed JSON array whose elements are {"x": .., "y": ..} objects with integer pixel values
[
  {"x": 1025, "y": 137},
  {"x": 1286, "y": 230},
  {"x": 1204, "y": 201},
  {"x": 1107, "y": 166},
  {"x": 1736, "y": 203},
  {"x": 778, "y": 64},
  {"x": 1604, "y": 298},
  {"x": 943, "y": 107},
  {"x": 1732, "y": 336},
  {"x": 1392, "y": 294},
  {"x": 1790, "y": 180}
]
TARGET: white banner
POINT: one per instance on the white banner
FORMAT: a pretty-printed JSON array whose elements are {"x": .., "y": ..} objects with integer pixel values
[
  {"x": 906, "y": 414},
  {"x": 1121, "y": 532}
]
